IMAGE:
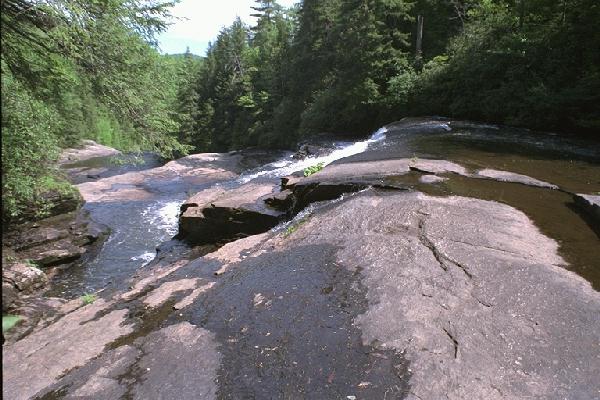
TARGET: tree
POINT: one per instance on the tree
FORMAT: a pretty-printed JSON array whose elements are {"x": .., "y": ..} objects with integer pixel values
[
  {"x": 371, "y": 47},
  {"x": 311, "y": 63},
  {"x": 88, "y": 70}
]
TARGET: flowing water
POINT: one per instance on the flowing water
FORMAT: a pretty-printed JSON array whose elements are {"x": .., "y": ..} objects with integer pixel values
[{"x": 138, "y": 227}]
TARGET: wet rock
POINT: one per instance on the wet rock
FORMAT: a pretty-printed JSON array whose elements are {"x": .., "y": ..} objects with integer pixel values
[
  {"x": 312, "y": 150},
  {"x": 589, "y": 204},
  {"x": 432, "y": 179},
  {"x": 219, "y": 214},
  {"x": 193, "y": 171},
  {"x": 176, "y": 349},
  {"x": 68, "y": 343},
  {"x": 88, "y": 149},
  {"x": 505, "y": 176},
  {"x": 284, "y": 318},
  {"x": 24, "y": 277}
]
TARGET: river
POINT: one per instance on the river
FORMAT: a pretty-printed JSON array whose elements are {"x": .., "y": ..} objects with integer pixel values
[{"x": 139, "y": 226}]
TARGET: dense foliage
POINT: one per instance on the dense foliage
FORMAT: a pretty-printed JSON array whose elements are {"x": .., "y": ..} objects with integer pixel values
[{"x": 349, "y": 66}]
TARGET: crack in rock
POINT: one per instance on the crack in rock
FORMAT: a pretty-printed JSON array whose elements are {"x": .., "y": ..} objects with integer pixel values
[
  {"x": 454, "y": 341},
  {"x": 429, "y": 244},
  {"x": 439, "y": 256}
]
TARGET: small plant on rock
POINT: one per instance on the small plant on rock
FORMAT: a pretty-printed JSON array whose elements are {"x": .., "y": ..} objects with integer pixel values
[
  {"x": 294, "y": 227},
  {"x": 9, "y": 321},
  {"x": 313, "y": 169},
  {"x": 31, "y": 263},
  {"x": 88, "y": 298}
]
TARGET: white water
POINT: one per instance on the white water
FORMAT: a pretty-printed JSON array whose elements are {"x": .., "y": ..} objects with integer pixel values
[
  {"x": 163, "y": 219},
  {"x": 164, "y": 216},
  {"x": 288, "y": 166},
  {"x": 146, "y": 257}
]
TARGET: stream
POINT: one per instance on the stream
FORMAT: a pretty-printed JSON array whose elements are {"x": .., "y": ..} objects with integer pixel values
[{"x": 139, "y": 226}]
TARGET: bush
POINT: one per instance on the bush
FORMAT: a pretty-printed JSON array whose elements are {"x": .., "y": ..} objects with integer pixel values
[{"x": 29, "y": 146}]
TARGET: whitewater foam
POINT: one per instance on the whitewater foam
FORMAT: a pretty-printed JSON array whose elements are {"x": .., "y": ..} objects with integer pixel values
[
  {"x": 164, "y": 216},
  {"x": 146, "y": 257},
  {"x": 286, "y": 167}
]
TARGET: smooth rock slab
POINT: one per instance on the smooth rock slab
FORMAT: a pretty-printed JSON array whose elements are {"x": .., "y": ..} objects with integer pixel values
[
  {"x": 180, "y": 362},
  {"x": 590, "y": 204},
  {"x": 505, "y": 176},
  {"x": 192, "y": 170},
  {"x": 471, "y": 292},
  {"x": 432, "y": 179},
  {"x": 176, "y": 362},
  {"x": 40, "y": 359},
  {"x": 372, "y": 170}
]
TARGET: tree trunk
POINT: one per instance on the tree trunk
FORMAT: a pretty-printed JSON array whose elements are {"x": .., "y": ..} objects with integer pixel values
[
  {"x": 419, "y": 52},
  {"x": 521, "y": 14}
]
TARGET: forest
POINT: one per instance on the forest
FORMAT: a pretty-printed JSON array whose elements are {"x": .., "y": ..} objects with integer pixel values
[{"x": 75, "y": 69}]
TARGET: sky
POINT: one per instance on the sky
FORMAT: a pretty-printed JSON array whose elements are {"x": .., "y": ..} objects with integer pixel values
[{"x": 199, "y": 22}]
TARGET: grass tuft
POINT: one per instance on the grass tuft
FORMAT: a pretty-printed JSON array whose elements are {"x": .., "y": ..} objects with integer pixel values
[{"x": 88, "y": 298}]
